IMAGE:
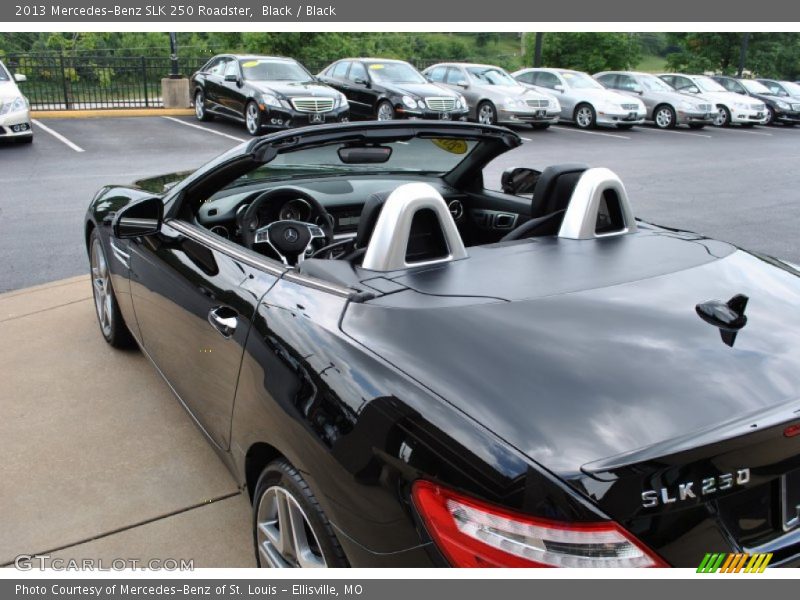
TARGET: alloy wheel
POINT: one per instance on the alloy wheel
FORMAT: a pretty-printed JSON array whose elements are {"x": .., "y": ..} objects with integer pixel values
[
  {"x": 721, "y": 119},
  {"x": 199, "y": 106},
  {"x": 584, "y": 117},
  {"x": 664, "y": 117},
  {"x": 486, "y": 115},
  {"x": 770, "y": 116},
  {"x": 385, "y": 112},
  {"x": 101, "y": 288},
  {"x": 252, "y": 118},
  {"x": 284, "y": 534}
]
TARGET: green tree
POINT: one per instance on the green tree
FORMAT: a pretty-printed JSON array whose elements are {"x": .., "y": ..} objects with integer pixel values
[{"x": 590, "y": 51}]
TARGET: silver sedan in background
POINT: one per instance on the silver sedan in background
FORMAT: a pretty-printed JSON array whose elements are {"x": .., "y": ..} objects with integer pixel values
[
  {"x": 493, "y": 96},
  {"x": 666, "y": 106},
  {"x": 15, "y": 115},
  {"x": 583, "y": 100}
]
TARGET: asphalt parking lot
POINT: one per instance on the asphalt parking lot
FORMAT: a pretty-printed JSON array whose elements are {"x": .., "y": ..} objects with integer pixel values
[
  {"x": 740, "y": 185},
  {"x": 99, "y": 458}
]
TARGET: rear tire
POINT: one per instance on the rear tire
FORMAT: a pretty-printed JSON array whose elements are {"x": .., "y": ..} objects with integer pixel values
[
  {"x": 585, "y": 116},
  {"x": 109, "y": 317},
  {"x": 200, "y": 107},
  {"x": 282, "y": 501}
]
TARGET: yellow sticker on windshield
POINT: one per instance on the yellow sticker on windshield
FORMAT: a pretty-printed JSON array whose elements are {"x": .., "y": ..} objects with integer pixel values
[
  {"x": 450, "y": 145},
  {"x": 250, "y": 63},
  {"x": 376, "y": 67}
]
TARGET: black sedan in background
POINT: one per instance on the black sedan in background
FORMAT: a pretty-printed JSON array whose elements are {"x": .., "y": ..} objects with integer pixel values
[
  {"x": 392, "y": 89},
  {"x": 264, "y": 91},
  {"x": 779, "y": 110}
]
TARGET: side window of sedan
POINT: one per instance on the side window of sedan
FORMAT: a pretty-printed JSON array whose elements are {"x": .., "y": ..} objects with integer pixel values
[
  {"x": 357, "y": 73},
  {"x": 609, "y": 80},
  {"x": 681, "y": 83},
  {"x": 340, "y": 70},
  {"x": 548, "y": 80},
  {"x": 218, "y": 68},
  {"x": 456, "y": 77},
  {"x": 526, "y": 77},
  {"x": 231, "y": 68},
  {"x": 626, "y": 83},
  {"x": 437, "y": 74}
]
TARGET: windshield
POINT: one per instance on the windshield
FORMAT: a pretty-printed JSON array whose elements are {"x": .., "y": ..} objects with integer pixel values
[
  {"x": 3, "y": 73},
  {"x": 707, "y": 84},
  {"x": 273, "y": 70},
  {"x": 395, "y": 72},
  {"x": 754, "y": 87},
  {"x": 792, "y": 88},
  {"x": 580, "y": 81},
  {"x": 492, "y": 76},
  {"x": 416, "y": 155},
  {"x": 651, "y": 83}
]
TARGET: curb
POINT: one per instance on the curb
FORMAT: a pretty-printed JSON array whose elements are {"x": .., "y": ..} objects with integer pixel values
[{"x": 111, "y": 112}]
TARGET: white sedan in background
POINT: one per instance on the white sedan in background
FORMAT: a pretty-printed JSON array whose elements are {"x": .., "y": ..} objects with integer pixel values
[
  {"x": 15, "y": 115},
  {"x": 583, "y": 100},
  {"x": 731, "y": 108}
]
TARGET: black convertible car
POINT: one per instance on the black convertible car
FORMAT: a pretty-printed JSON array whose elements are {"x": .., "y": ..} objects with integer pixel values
[
  {"x": 264, "y": 91},
  {"x": 404, "y": 368}
]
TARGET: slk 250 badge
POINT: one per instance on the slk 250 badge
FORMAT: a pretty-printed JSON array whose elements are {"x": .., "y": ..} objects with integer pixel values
[{"x": 691, "y": 489}]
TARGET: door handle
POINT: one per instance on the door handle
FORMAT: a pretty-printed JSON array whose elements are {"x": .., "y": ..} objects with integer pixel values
[{"x": 224, "y": 320}]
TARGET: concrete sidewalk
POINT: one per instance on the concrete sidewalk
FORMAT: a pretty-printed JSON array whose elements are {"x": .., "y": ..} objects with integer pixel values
[{"x": 99, "y": 460}]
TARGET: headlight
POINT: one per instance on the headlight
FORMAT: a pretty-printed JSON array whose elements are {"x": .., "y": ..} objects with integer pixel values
[
  {"x": 421, "y": 104},
  {"x": 343, "y": 101},
  {"x": 15, "y": 104},
  {"x": 782, "y": 104},
  {"x": 555, "y": 104},
  {"x": 462, "y": 102},
  {"x": 409, "y": 102},
  {"x": 270, "y": 100}
]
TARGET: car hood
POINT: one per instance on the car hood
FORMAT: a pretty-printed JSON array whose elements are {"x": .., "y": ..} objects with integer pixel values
[
  {"x": 421, "y": 90},
  {"x": 291, "y": 89},
  {"x": 601, "y": 361},
  {"x": 728, "y": 97},
  {"x": 601, "y": 96}
]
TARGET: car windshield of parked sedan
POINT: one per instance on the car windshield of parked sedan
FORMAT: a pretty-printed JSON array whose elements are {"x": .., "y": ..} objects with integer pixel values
[
  {"x": 580, "y": 81},
  {"x": 273, "y": 70},
  {"x": 792, "y": 88},
  {"x": 491, "y": 76},
  {"x": 395, "y": 73},
  {"x": 651, "y": 83},
  {"x": 754, "y": 87},
  {"x": 706, "y": 84},
  {"x": 417, "y": 155}
]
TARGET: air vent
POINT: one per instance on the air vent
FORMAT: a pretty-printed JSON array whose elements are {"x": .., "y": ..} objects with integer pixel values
[{"x": 456, "y": 209}]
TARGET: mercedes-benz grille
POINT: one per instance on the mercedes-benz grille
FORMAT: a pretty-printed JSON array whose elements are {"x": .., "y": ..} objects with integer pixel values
[
  {"x": 630, "y": 107},
  {"x": 538, "y": 103},
  {"x": 441, "y": 104},
  {"x": 312, "y": 105}
]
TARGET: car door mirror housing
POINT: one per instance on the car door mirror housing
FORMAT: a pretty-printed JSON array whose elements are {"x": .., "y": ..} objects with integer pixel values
[
  {"x": 520, "y": 180},
  {"x": 19, "y": 77},
  {"x": 141, "y": 218},
  {"x": 361, "y": 81},
  {"x": 559, "y": 88},
  {"x": 232, "y": 79}
]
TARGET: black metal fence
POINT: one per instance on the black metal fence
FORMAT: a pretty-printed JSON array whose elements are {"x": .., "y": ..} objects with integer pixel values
[
  {"x": 64, "y": 82},
  {"x": 70, "y": 82}
]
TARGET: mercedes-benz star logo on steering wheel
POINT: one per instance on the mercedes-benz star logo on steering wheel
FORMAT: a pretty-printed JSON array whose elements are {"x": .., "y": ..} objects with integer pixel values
[{"x": 291, "y": 235}]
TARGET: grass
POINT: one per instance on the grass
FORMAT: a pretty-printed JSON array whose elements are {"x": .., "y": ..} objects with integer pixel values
[{"x": 652, "y": 64}]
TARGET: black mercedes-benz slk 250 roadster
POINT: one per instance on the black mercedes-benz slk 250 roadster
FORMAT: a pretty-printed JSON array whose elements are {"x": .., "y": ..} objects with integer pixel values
[{"x": 404, "y": 368}]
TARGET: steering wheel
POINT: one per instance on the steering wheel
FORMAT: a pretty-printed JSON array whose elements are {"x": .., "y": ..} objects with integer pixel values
[{"x": 289, "y": 239}]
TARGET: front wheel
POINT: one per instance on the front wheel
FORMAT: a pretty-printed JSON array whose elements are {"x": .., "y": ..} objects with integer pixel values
[
  {"x": 289, "y": 527},
  {"x": 770, "y": 116},
  {"x": 385, "y": 111},
  {"x": 723, "y": 117},
  {"x": 487, "y": 115},
  {"x": 200, "y": 107},
  {"x": 112, "y": 325},
  {"x": 664, "y": 117},
  {"x": 253, "y": 118},
  {"x": 585, "y": 117}
]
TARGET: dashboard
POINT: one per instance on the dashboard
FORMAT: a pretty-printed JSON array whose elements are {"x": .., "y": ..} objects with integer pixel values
[{"x": 343, "y": 199}]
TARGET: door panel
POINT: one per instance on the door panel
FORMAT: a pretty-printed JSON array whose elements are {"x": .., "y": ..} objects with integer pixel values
[{"x": 176, "y": 283}]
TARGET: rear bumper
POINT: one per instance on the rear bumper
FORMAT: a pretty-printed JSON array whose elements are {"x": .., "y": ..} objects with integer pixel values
[{"x": 16, "y": 124}]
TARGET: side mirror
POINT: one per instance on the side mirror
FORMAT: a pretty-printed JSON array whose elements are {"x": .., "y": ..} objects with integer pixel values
[
  {"x": 19, "y": 77},
  {"x": 559, "y": 88},
  {"x": 693, "y": 89},
  {"x": 361, "y": 81},
  {"x": 143, "y": 217},
  {"x": 637, "y": 90},
  {"x": 520, "y": 180},
  {"x": 232, "y": 79}
]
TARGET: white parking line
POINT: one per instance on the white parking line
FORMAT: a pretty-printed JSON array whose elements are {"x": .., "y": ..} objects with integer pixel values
[
  {"x": 208, "y": 129},
  {"x": 58, "y": 136},
  {"x": 739, "y": 130},
  {"x": 613, "y": 135},
  {"x": 678, "y": 131}
]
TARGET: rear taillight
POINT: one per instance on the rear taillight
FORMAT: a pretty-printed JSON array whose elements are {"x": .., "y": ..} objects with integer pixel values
[{"x": 471, "y": 533}]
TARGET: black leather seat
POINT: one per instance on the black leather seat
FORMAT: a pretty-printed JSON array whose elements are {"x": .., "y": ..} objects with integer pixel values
[
  {"x": 550, "y": 200},
  {"x": 366, "y": 224}
]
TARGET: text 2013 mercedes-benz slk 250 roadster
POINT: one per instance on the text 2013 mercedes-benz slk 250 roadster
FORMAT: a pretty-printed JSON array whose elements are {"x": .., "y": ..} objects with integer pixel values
[{"x": 404, "y": 368}]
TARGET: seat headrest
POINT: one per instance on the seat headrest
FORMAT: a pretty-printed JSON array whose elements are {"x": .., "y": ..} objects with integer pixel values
[
  {"x": 369, "y": 217},
  {"x": 554, "y": 188}
]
